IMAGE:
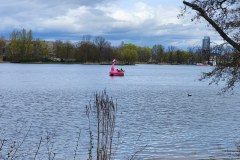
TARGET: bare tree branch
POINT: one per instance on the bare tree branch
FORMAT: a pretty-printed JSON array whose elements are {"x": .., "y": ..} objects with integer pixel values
[{"x": 203, "y": 14}]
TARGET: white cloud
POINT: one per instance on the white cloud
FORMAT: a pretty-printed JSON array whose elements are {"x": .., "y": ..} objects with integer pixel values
[
  {"x": 7, "y": 22},
  {"x": 144, "y": 22}
]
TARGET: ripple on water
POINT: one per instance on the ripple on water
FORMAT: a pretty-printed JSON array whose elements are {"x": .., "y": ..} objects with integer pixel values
[{"x": 155, "y": 113}]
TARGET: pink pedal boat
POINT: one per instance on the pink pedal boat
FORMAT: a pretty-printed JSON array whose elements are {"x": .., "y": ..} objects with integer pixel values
[{"x": 116, "y": 72}]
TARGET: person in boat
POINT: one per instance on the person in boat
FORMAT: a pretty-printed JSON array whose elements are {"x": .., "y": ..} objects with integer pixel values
[{"x": 120, "y": 70}]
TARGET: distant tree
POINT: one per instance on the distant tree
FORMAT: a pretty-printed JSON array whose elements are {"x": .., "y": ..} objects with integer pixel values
[
  {"x": 58, "y": 49},
  {"x": 223, "y": 53},
  {"x": 144, "y": 54},
  {"x": 165, "y": 57},
  {"x": 224, "y": 17},
  {"x": 195, "y": 55},
  {"x": 182, "y": 57},
  {"x": 117, "y": 53},
  {"x": 102, "y": 46},
  {"x": 2, "y": 45},
  {"x": 69, "y": 50},
  {"x": 28, "y": 36},
  {"x": 44, "y": 50},
  {"x": 15, "y": 46},
  {"x": 129, "y": 53},
  {"x": 171, "y": 54},
  {"x": 64, "y": 50},
  {"x": 21, "y": 45},
  {"x": 157, "y": 53},
  {"x": 178, "y": 57},
  {"x": 86, "y": 50},
  {"x": 109, "y": 54},
  {"x": 80, "y": 53},
  {"x": 40, "y": 50}
]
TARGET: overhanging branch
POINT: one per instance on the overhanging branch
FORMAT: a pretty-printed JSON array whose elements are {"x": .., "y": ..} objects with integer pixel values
[{"x": 203, "y": 14}]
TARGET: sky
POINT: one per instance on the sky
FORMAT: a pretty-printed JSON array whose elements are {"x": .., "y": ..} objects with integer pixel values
[{"x": 141, "y": 22}]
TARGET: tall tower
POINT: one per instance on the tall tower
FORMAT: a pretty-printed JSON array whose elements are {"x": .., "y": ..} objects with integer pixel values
[
  {"x": 206, "y": 49},
  {"x": 206, "y": 43}
]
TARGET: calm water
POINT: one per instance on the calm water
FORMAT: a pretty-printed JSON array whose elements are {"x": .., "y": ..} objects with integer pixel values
[{"x": 154, "y": 110}]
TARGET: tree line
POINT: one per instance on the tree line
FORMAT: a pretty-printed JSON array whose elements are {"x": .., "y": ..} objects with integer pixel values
[{"x": 22, "y": 47}]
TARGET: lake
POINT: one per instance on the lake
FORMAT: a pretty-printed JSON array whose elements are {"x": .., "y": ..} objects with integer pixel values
[{"x": 156, "y": 117}]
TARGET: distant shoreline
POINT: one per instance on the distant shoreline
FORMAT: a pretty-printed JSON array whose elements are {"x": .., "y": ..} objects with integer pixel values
[
  {"x": 85, "y": 63},
  {"x": 92, "y": 63}
]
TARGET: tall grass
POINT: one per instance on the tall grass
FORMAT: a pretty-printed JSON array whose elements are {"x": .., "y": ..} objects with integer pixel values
[{"x": 103, "y": 112}]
